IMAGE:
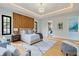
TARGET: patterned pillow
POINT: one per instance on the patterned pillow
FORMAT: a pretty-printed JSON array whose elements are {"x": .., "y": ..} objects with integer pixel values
[{"x": 4, "y": 45}]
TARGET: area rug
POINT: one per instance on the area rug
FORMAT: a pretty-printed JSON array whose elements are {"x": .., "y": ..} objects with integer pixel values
[{"x": 39, "y": 48}]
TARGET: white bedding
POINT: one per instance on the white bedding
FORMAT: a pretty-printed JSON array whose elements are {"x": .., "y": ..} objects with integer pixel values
[{"x": 30, "y": 38}]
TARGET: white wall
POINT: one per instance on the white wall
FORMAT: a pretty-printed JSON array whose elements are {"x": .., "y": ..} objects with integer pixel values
[
  {"x": 8, "y": 12},
  {"x": 60, "y": 33},
  {"x": 44, "y": 28},
  {"x": 43, "y": 24}
]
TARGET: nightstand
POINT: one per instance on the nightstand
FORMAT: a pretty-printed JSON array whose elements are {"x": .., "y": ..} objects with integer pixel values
[{"x": 15, "y": 38}]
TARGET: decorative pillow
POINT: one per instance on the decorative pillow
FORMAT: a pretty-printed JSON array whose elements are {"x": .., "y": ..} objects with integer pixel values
[
  {"x": 26, "y": 31},
  {"x": 30, "y": 31},
  {"x": 3, "y": 39},
  {"x": 22, "y": 31},
  {"x": 3, "y": 44}
]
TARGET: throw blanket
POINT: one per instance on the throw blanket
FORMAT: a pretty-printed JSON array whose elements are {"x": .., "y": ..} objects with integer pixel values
[{"x": 40, "y": 34}]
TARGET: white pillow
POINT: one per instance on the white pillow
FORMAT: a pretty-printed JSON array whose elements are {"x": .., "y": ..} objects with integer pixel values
[
  {"x": 30, "y": 31},
  {"x": 26, "y": 31},
  {"x": 22, "y": 31},
  {"x": 3, "y": 39}
]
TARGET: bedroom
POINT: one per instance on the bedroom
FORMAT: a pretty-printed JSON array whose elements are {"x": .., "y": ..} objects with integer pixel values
[{"x": 44, "y": 29}]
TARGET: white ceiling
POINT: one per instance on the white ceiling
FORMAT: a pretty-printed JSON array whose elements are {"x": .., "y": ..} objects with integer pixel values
[
  {"x": 49, "y": 7},
  {"x": 32, "y": 8}
]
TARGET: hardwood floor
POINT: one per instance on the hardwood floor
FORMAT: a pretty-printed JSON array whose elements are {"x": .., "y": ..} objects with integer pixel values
[{"x": 53, "y": 51}]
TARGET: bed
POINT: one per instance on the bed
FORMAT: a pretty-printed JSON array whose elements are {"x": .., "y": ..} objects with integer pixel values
[{"x": 29, "y": 37}]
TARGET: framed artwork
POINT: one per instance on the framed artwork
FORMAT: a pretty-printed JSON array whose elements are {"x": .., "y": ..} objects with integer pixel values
[
  {"x": 73, "y": 24},
  {"x": 60, "y": 25},
  {"x": 6, "y": 25}
]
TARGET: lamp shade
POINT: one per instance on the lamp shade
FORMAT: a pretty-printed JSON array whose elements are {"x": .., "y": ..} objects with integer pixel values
[{"x": 15, "y": 29}]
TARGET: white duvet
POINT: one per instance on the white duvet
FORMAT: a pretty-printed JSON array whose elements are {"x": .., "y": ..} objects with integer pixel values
[{"x": 30, "y": 38}]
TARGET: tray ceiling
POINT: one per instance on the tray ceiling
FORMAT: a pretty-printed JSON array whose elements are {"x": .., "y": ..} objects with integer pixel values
[
  {"x": 32, "y": 8},
  {"x": 49, "y": 7}
]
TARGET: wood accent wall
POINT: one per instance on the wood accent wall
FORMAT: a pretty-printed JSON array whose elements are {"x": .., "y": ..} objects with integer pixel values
[{"x": 21, "y": 21}]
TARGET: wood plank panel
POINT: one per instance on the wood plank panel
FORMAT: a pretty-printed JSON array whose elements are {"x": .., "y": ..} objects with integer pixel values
[{"x": 21, "y": 21}]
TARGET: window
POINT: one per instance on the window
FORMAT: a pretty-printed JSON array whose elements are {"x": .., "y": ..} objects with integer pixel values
[{"x": 6, "y": 25}]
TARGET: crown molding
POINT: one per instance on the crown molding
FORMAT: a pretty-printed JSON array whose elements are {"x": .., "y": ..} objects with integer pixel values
[
  {"x": 44, "y": 15},
  {"x": 54, "y": 12}
]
